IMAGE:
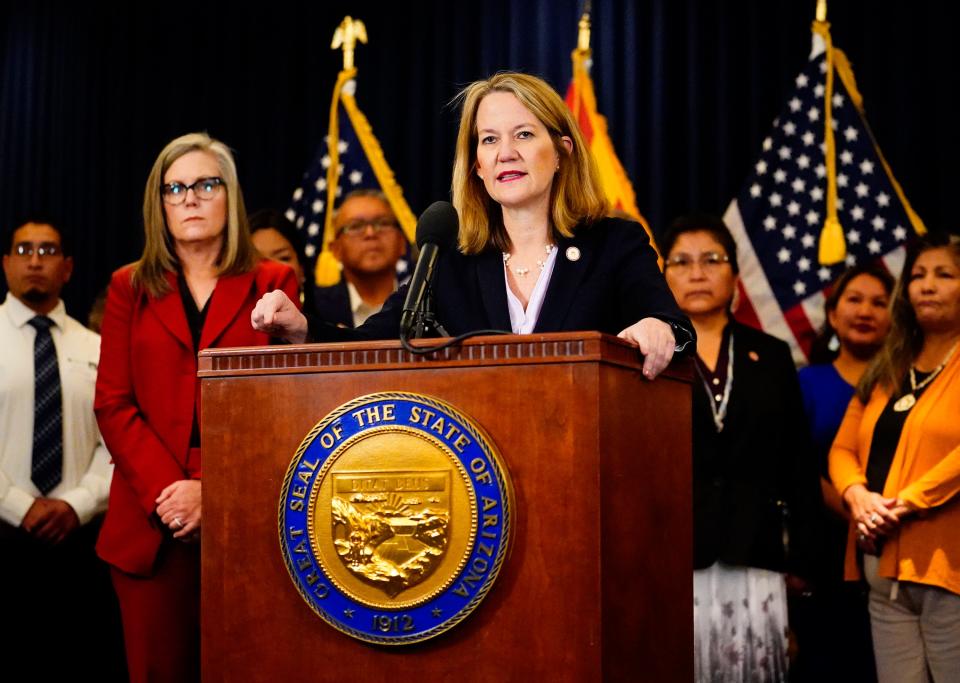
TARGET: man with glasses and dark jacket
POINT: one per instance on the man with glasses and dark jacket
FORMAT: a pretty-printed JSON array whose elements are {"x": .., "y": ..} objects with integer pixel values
[{"x": 368, "y": 244}]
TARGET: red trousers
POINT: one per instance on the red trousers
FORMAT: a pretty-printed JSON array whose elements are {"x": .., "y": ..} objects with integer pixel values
[{"x": 161, "y": 617}]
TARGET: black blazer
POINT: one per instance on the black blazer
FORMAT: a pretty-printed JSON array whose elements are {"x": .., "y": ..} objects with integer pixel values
[
  {"x": 332, "y": 304},
  {"x": 762, "y": 457},
  {"x": 605, "y": 278}
]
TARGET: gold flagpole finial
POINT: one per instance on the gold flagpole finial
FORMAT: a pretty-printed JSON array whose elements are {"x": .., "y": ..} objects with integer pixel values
[
  {"x": 346, "y": 36},
  {"x": 583, "y": 35},
  {"x": 821, "y": 10}
]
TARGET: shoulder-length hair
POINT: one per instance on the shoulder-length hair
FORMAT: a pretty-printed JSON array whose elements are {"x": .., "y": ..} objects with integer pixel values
[
  {"x": 159, "y": 258},
  {"x": 821, "y": 352},
  {"x": 905, "y": 340},
  {"x": 577, "y": 194}
]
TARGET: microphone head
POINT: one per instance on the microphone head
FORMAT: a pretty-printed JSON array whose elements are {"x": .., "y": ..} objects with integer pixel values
[{"x": 439, "y": 225}]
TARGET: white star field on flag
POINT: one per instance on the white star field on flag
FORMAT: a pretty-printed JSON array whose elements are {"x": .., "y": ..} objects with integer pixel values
[{"x": 783, "y": 203}]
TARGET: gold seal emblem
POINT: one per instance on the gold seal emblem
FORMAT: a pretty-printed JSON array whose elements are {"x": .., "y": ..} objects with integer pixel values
[{"x": 395, "y": 517}]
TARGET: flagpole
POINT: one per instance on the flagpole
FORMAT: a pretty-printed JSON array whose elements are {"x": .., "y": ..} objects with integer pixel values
[
  {"x": 582, "y": 102},
  {"x": 345, "y": 38},
  {"x": 832, "y": 245}
]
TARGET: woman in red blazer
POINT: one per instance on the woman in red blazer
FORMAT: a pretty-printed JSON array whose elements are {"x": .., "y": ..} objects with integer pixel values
[{"x": 193, "y": 288}]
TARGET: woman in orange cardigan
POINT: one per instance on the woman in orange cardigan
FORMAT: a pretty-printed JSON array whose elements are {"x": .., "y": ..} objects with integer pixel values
[{"x": 896, "y": 463}]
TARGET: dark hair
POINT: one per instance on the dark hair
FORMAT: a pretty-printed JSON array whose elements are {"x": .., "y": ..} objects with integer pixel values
[
  {"x": 701, "y": 222},
  {"x": 40, "y": 218},
  {"x": 905, "y": 340},
  {"x": 820, "y": 352},
  {"x": 265, "y": 219}
]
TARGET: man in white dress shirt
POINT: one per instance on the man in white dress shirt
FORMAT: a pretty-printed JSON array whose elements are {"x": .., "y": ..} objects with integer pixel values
[{"x": 54, "y": 470}]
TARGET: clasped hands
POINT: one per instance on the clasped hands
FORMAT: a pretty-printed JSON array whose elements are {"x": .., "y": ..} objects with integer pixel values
[
  {"x": 50, "y": 520},
  {"x": 876, "y": 517},
  {"x": 179, "y": 508}
]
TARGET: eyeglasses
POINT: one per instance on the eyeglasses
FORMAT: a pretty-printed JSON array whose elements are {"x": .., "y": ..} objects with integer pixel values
[
  {"x": 27, "y": 249},
  {"x": 709, "y": 261},
  {"x": 357, "y": 227},
  {"x": 203, "y": 188}
]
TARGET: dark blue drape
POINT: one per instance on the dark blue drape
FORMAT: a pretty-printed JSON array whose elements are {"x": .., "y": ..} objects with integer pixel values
[{"x": 89, "y": 93}]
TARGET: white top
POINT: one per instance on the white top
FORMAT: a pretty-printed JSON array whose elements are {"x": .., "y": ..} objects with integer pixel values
[
  {"x": 86, "y": 464},
  {"x": 523, "y": 321},
  {"x": 361, "y": 309}
]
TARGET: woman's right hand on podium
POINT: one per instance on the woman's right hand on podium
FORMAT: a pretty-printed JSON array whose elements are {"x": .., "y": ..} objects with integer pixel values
[{"x": 279, "y": 317}]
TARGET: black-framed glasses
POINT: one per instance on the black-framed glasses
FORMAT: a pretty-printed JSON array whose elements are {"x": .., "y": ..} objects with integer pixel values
[
  {"x": 357, "y": 227},
  {"x": 28, "y": 249},
  {"x": 708, "y": 260},
  {"x": 203, "y": 188}
]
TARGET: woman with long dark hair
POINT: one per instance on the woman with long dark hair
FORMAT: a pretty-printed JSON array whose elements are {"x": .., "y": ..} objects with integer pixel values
[{"x": 896, "y": 463}]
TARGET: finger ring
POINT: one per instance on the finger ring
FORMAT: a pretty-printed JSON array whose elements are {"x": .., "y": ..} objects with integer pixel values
[
  {"x": 178, "y": 522},
  {"x": 874, "y": 518}
]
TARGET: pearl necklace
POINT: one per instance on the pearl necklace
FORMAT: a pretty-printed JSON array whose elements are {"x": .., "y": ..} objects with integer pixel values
[{"x": 521, "y": 270}]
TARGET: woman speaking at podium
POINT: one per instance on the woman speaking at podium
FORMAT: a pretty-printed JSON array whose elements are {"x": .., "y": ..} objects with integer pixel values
[{"x": 535, "y": 250}]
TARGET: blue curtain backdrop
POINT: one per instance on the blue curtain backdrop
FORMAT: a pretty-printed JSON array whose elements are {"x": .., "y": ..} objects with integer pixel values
[{"x": 90, "y": 92}]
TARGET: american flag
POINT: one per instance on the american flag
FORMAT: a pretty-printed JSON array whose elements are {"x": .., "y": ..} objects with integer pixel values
[
  {"x": 778, "y": 215},
  {"x": 360, "y": 164}
]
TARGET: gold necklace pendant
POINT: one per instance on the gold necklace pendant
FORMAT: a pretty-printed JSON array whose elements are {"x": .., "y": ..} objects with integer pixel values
[{"x": 905, "y": 403}]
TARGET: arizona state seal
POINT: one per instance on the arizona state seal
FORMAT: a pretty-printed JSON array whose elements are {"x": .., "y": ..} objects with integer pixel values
[{"x": 395, "y": 517}]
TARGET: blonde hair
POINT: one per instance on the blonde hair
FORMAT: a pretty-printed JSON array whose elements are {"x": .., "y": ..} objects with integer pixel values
[
  {"x": 577, "y": 194},
  {"x": 905, "y": 340},
  {"x": 238, "y": 254}
]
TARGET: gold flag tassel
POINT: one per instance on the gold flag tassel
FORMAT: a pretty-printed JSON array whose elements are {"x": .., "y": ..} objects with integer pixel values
[
  {"x": 833, "y": 247},
  {"x": 327, "y": 270}
]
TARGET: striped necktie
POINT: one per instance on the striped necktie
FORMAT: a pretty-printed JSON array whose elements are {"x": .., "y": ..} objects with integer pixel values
[{"x": 47, "y": 465}]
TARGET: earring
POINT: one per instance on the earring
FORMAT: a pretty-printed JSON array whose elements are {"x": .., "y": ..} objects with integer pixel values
[{"x": 834, "y": 343}]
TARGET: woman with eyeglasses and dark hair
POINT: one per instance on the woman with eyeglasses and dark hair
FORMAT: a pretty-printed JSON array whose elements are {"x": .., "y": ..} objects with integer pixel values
[
  {"x": 754, "y": 487},
  {"x": 193, "y": 288},
  {"x": 857, "y": 321},
  {"x": 896, "y": 464}
]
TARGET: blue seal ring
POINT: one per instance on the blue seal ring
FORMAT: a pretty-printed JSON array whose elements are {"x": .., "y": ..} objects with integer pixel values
[{"x": 482, "y": 560}]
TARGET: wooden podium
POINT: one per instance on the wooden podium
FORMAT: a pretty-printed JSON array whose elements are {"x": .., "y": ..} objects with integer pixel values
[{"x": 598, "y": 584}]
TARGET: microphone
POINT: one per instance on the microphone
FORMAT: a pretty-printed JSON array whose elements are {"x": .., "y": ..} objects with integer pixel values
[{"x": 437, "y": 229}]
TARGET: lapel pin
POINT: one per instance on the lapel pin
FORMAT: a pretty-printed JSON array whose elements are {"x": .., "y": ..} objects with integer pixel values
[
  {"x": 573, "y": 254},
  {"x": 753, "y": 355}
]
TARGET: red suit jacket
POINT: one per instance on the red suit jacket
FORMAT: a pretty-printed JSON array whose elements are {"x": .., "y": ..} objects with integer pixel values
[{"x": 147, "y": 392}]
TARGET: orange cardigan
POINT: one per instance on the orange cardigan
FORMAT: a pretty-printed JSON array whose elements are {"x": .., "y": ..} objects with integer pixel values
[{"x": 925, "y": 472}]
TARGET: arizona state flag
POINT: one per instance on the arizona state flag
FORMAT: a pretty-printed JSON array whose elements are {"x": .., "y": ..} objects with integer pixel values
[{"x": 582, "y": 101}]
